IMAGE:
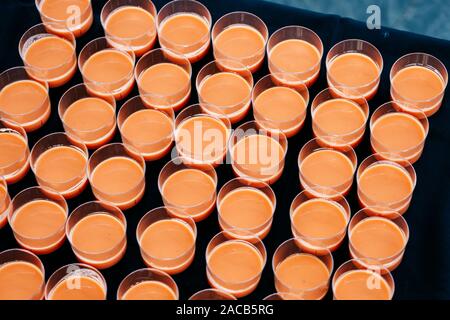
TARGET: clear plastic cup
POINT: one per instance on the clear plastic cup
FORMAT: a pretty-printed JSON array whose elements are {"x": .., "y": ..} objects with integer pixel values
[
  {"x": 362, "y": 48},
  {"x": 41, "y": 67},
  {"x": 212, "y": 294},
  {"x": 93, "y": 133},
  {"x": 241, "y": 20},
  {"x": 155, "y": 71},
  {"x": 257, "y": 153},
  {"x": 135, "y": 119},
  {"x": 115, "y": 191},
  {"x": 93, "y": 218},
  {"x": 195, "y": 48},
  {"x": 246, "y": 283},
  {"x": 129, "y": 287},
  {"x": 103, "y": 84},
  {"x": 5, "y": 202},
  {"x": 192, "y": 180},
  {"x": 213, "y": 80},
  {"x": 290, "y": 123},
  {"x": 138, "y": 43},
  {"x": 313, "y": 290},
  {"x": 76, "y": 281},
  {"x": 154, "y": 224},
  {"x": 306, "y": 75},
  {"x": 35, "y": 113},
  {"x": 31, "y": 220},
  {"x": 345, "y": 133},
  {"x": 77, "y": 20},
  {"x": 416, "y": 104},
  {"x": 27, "y": 284},
  {"x": 259, "y": 226}
]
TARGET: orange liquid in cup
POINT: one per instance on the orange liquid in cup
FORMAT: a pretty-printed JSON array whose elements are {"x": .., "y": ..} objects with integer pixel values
[
  {"x": 20, "y": 280},
  {"x": 233, "y": 264},
  {"x": 417, "y": 84},
  {"x": 39, "y": 226},
  {"x": 4, "y": 205},
  {"x": 398, "y": 133},
  {"x": 297, "y": 57},
  {"x": 279, "y": 109},
  {"x": 152, "y": 144},
  {"x": 78, "y": 287},
  {"x": 109, "y": 71},
  {"x": 202, "y": 139},
  {"x": 329, "y": 169},
  {"x": 51, "y": 59},
  {"x": 63, "y": 169},
  {"x": 91, "y": 120},
  {"x": 187, "y": 34},
  {"x": 246, "y": 209},
  {"x": 131, "y": 27},
  {"x": 26, "y": 102},
  {"x": 355, "y": 70},
  {"x": 386, "y": 185},
  {"x": 339, "y": 118},
  {"x": 64, "y": 10},
  {"x": 165, "y": 85},
  {"x": 149, "y": 290},
  {"x": 226, "y": 93},
  {"x": 14, "y": 154},
  {"x": 118, "y": 180},
  {"x": 191, "y": 191},
  {"x": 98, "y": 240},
  {"x": 378, "y": 239},
  {"x": 319, "y": 223},
  {"x": 361, "y": 285},
  {"x": 241, "y": 43},
  {"x": 302, "y": 274},
  {"x": 166, "y": 244}
]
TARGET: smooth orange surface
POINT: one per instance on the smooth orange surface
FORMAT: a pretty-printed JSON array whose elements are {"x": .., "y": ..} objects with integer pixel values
[
  {"x": 13, "y": 156},
  {"x": 258, "y": 156},
  {"x": 385, "y": 184},
  {"x": 165, "y": 240},
  {"x": 327, "y": 168},
  {"x": 191, "y": 191},
  {"x": 52, "y": 59},
  {"x": 246, "y": 208},
  {"x": 92, "y": 120},
  {"x": 235, "y": 262},
  {"x": 226, "y": 93},
  {"x": 399, "y": 133},
  {"x": 302, "y": 272},
  {"x": 202, "y": 139},
  {"x": 280, "y": 108},
  {"x": 241, "y": 43},
  {"x": 109, "y": 71},
  {"x": 78, "y": 287},
  {"x": 320, "y": 219},
  {"x": 118, "y": 177},
  {"x": 20, "y": 280},
  {"x": 63, "y": 169},
  {"x": 355, "y": 70},
  {"x": 149, "y": 290},
  {"x": 339, "y": 117},
  {"x": 152, "y": 143},
  {"x": 298, "y": 57},
  {"x": 361, "y": 285},
  {"x": 97, "y": 239},
  {"x": 4, "y": 205},
  {"x": 39, "y": 226},
  {"x": 61, "y": 10},
  {"x": 165, "y": 85},
  {"x": 26, "y": 102},
  {"x": 131, "y": 27},
  {"x": 185, "y": 33}
]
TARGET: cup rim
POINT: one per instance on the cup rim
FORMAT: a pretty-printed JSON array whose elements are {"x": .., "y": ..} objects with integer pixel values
[
  {"x": 53, "y": 20},
  {"x": 11, "y": 127}
]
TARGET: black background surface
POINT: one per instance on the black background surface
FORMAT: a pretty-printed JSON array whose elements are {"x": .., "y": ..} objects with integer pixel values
[{"x": 425, "y": 271}]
